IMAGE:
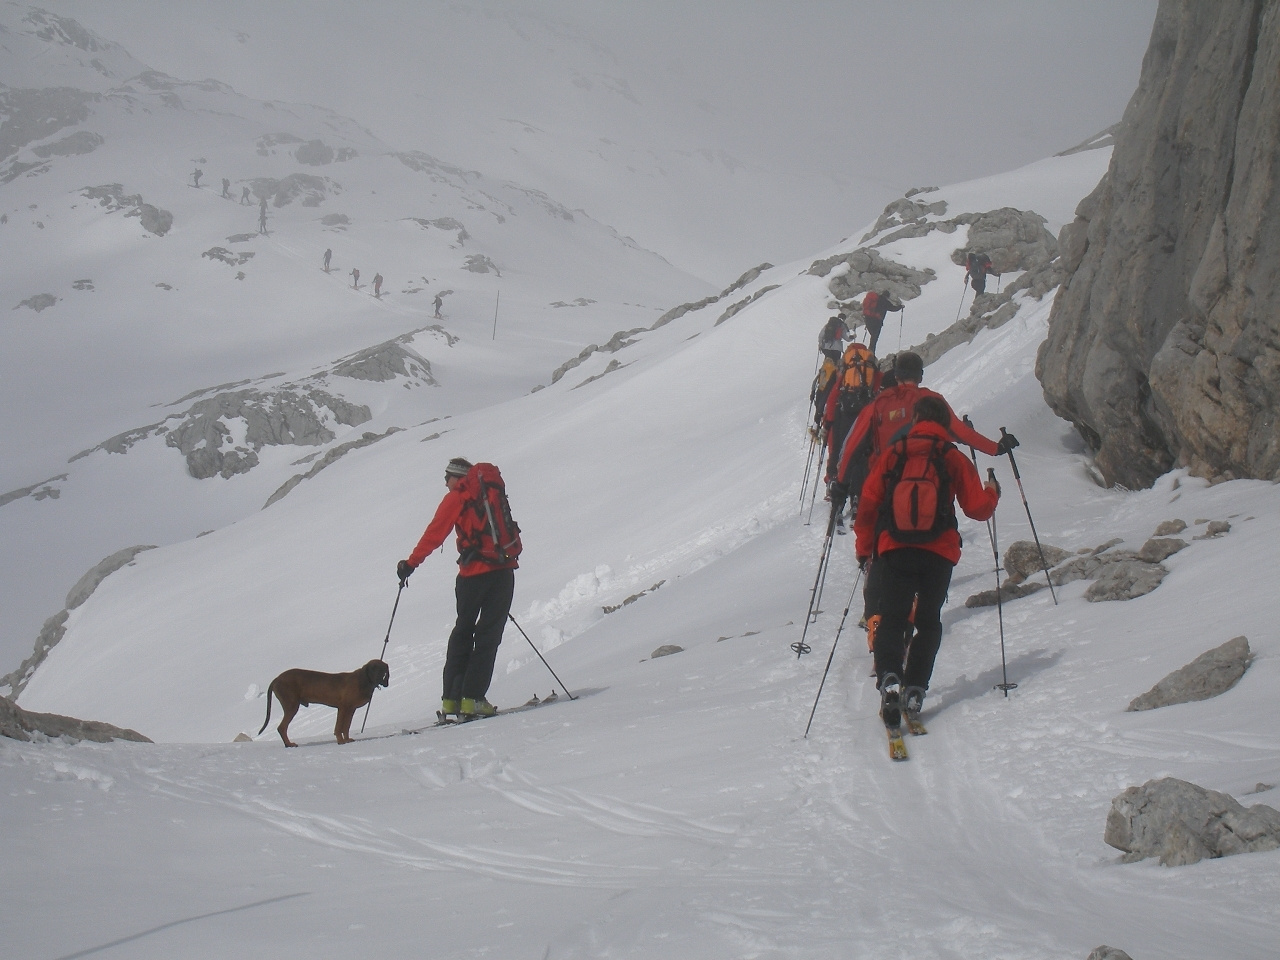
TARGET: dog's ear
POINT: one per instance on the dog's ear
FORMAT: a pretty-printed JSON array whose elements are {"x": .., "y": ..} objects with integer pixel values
[{"x": 384, "y": 674}]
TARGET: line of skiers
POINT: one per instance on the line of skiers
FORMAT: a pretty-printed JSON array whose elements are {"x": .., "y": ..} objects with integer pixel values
[{"x": 892, "y": 458}]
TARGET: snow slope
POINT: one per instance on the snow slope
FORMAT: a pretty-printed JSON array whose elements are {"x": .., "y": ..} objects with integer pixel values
[{"x": 674, "y": 809}]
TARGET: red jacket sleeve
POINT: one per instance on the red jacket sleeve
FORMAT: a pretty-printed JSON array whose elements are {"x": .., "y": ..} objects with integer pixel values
[
  {"x": 438, "y": 530},
  {"x": 965, "y": 434},
  {"x": 975, "y": 499}
]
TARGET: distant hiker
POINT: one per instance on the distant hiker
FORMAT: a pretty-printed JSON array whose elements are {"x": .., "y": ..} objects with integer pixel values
[
  {"x": 906, "y": 526},
  {"x": 226, "y": 188},
  {"x": 439, "y": 302},
  {"x": 245, "y": 201},
  {"x": 976, "y": 268},
  {"x": 883, "y": 421},
  {"x": 355, "y": 278},
  {"x": 262, "y": 218},
  {"x": 856, "y": 385},
  {"x": 195, "y": 177},
  {"x": 476, "y": 508},
  {"x": 875, "y": 307},
  {"x": 377, "y": 285},
  {"x": 328, "y": 255},
  {"x": 834, "y": 333}
]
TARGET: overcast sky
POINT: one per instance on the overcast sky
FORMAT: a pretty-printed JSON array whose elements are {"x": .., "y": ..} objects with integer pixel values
[{"x": 844, "y": 103}]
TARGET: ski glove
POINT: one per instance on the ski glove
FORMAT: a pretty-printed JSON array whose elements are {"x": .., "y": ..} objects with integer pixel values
[
  {"x": 1007, "y": 442},
  {"x": 862, "y": 563},
  {"x": 403, "y": 569}
]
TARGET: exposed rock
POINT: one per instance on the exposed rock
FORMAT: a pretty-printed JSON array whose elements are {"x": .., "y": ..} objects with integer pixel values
[
  {"x": 666, "y": 650},
  {"x": 40, "y": 491},
  {"x": 1013, "y": 239},
  {"x": 676, "y": 312},
  {"x": 869, "y": 270},
  {"x": 1164, "y": 342},
  {"x": 32, "y": 115},
  {"x": 1159, "y": 549},
  {"x": 1208, "y": 675},
  {"x": 72, "y": 145},
  {"x": 311, "y": 189},
  {"x": 317, "y": 153},
  {"x": 55, "y": 627},
  {"x": 445, "y": 223},
  {"x": 1008, "y": 591},
  {"x": 41, "y": 301},
  {"x": 1215, "y": 528},
  {"x": 479, "y": 263},
  {"x": 1125, "y": 581},
  {"x": 1022, "y": 559},
  {"x": 1182, "y": 823},
  {"x": 19, "y": 724},
  {"x": 113, "y": 198},
  {"x": 331, "y": 456},
  {"x": 1108, "y": 953},
  {"x": 1170, "y": 527},
  {"x": 227, "y": 256},
  {"x": 386, "y": 361},
  {"x": 734, "y": 308}
]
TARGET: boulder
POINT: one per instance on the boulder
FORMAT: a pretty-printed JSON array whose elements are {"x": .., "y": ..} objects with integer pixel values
[
  {"x": 1125, "y": 581},
  {"x": 19, "y": 724},
  {"x": 1208, "y": 675},
  {"x": 1182, "y": 823},
  {"x": 1170, "y": 527},
  {"x": 1158, "y": 549},
  {"x": 666, "y": 650},
  {"x": 1022, "y": 559}
]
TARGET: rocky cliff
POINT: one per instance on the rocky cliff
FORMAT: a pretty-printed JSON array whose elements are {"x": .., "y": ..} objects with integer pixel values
[{"x": 1164, "y": 342}]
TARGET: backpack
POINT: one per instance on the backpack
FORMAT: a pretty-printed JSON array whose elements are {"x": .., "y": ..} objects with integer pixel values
[
  {"x": 979, "y": 264},
  {"x": 857, "y": 378},
  {"x": 869, "y": 304},
  {"x": 832, "y": 334},
  {"x": 918, "y": 506},
  {"x": 495, "y": 536}
]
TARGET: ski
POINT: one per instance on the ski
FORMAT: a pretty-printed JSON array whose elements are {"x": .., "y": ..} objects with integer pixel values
[
  {"x": 897, "y": 746},
  {"x": 444, "y": 720},
  {"x": 915, "y": 725}
]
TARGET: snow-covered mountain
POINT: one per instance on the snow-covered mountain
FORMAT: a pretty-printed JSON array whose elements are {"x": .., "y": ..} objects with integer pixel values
[
  {"x": 675, "y": 809},
  {"x": 148, "y": 318}
]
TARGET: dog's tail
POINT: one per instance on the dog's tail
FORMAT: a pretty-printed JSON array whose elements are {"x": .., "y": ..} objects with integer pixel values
[{"x": 268, "y": 720}]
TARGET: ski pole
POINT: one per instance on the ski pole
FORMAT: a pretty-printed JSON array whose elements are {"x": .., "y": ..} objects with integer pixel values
[
  {"x": 1006, "y": 686},
  {"x": 964, "y": 290},
  {"x": 800, "y": 647},
  {"x": 995, "y": 555},
  {"x": 902, "y": 319},
  {"x": 1043, "y": 562},
  {"x": 383, "y": 655},
  {"x": 540, "y": 656},
  {"x": 832, "y": 655},
  {"x": 808, "y": 464}
]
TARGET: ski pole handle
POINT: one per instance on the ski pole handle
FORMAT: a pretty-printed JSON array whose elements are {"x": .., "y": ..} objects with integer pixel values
[{"x": 1012, "y": 462}]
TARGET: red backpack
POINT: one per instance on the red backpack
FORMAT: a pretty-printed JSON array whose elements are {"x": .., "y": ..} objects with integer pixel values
[
  {"x": 918, "y": 507},
  {"x": 495, "y": 535},
  {"x": 869, "y": 304}
]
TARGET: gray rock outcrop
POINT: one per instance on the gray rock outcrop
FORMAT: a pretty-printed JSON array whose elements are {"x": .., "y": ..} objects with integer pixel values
[
  {"x": 1125, "y": 581},
  {"x": 1181, "y": 823},
  {"x": 1212, "y": 673},
  {"x": 113, "y": 198},
  {"x": 1108, "y": 953},
  {"x": 1022, "y": 559},
  {"x": 1164, "y": 341},
  {"x": 19, "y": 724},
  {"x": 55, "y": 627}
]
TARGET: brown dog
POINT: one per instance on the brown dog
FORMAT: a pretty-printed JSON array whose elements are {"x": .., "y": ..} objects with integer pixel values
[{"x": 346, "y": 691}]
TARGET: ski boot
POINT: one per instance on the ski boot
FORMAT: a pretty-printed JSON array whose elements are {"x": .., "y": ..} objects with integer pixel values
[
  {"x": 471, "y": 708},
  {"x": 912, "y": 704}
]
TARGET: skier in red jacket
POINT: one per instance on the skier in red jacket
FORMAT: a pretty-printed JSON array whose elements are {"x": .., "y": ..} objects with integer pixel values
[
  {"x": 915, "y": 563},
  {"x": 484, "y": 590}
]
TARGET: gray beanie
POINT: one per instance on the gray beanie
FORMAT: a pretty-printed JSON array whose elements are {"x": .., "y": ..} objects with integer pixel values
[{"x": 457, "y": 467}]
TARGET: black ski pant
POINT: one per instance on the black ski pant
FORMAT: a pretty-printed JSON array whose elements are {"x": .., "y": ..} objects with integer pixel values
[
  {"x": 910, "y": 574},
  {"x": 484, "y": 601}
]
